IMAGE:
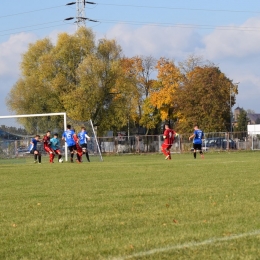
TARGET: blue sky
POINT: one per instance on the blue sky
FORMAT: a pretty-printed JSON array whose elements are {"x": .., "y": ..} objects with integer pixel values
[{"x": 226, "y": 33}]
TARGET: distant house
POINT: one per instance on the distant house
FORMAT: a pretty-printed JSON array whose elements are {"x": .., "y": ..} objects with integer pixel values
[{"x": 252, "y": 118}]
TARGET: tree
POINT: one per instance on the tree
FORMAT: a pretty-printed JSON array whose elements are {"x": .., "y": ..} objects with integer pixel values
[
  {"x": 204, "y": 98},
  {"x": 77, "y": 76},
  {"x": 242, "y": 121},
  {"x": 140, "y": 69},
  {"x": 164, "y": 91},
  {"x": 250, "y": 111},
  {"x": 103, "y": 89}
]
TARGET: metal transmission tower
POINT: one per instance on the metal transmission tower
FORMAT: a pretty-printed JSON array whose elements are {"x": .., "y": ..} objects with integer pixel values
[{"x": 81, "y": 15}]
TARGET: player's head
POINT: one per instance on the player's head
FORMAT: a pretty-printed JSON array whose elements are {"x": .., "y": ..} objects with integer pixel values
[
  {"x": 55, "y": 135},
  {"x": 37, "y": 137},
  {"x": 68, "y": 126},
  {"x": 48, "y": 133},
  {"x": 166, "y": 126},
  {"x": 83, "y": 128},
  {"x": 196, "y": 126}
]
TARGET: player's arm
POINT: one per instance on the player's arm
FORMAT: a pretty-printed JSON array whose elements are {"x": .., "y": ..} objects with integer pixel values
[
  {"x": 175, "y": 134},
  {"x": 75, "y": 138},
  {"x": 192, "y": 136},
  {"x": 88, "y": 137},
  {"x": 164, "y": 135}
]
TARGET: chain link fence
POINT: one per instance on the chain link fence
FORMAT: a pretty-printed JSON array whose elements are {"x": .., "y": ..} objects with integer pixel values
[{"x": 217, "y": 141}]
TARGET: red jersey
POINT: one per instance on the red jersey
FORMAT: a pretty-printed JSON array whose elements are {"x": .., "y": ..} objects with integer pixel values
[
  {"x": 79, "y": 149},
  {"x": 169, "y": 136},
  {"x": 46, "y": 141}
]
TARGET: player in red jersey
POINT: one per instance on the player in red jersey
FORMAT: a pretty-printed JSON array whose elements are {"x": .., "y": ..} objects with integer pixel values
[
  {"x": 79, "y": 149},
  {"x": 47, "y": 145},
  {"x": 168, "y": 136}
]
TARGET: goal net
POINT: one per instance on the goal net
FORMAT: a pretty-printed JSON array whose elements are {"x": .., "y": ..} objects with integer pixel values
[{"x": 16, "y": 132}]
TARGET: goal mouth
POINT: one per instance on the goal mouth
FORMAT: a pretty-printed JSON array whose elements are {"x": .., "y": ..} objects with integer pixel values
[{"x": 16, "y": 144}]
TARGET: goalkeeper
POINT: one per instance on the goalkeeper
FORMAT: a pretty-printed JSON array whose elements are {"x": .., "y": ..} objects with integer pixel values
[{"x": 55, "y": 145}]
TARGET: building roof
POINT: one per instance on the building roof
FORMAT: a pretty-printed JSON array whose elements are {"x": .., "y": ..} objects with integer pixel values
[{"x": 253, "y": 117}]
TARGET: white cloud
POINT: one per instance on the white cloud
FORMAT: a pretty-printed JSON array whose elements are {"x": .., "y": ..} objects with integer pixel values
[
  {"x": 236, "y": 52},
  {"x": 172, "y": 42},
  {"x": 10, "y": 55},
  {"x": 233, "y": 43}
]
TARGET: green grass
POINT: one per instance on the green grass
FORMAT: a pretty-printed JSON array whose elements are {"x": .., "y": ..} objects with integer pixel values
[{"x": 131, "y": 204}]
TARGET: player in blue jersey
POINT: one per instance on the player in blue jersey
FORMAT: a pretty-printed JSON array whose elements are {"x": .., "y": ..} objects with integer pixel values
[
  {"x": 33, "y": 149},
  {"x": 68, "y": 137},
  {"x": 83, "y": 137},
  {"x": 55, "y": 146},
  {"x": 197, "y": 136}
]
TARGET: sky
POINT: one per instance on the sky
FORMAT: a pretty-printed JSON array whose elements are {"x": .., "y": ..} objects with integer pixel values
[{"x": 226, "y": 33}]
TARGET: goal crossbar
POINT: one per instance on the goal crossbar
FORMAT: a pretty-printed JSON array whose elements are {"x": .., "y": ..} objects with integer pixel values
[{"x": 47, "y": 114}]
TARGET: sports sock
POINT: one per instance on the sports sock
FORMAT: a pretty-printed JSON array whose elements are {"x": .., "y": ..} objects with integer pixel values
[
  {"x": 194, "y": 154},
  {"x": 40, "y": 158},
  {"x": 87, "y": 156},
  {"x": 35, "y": 157}
]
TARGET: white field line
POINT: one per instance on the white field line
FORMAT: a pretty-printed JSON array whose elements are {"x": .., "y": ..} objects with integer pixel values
[{"x": 187, "y": 245}]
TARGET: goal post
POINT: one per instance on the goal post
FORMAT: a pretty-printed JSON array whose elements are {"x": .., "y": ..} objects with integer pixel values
[
  {"x": 93, "y": 146},
  {"x": 42, "y": 115}
]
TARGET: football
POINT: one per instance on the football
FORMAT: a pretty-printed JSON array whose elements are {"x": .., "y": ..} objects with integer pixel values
[{"x": 60, "y": 160}]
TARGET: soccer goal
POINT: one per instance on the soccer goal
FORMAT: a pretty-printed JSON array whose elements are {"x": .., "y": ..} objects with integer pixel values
[{"x": 16, "y": 132}]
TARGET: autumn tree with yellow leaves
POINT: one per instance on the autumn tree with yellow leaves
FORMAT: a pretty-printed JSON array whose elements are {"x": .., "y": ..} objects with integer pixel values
[
  {"x": 92, "y": 79},
  {"x": 76, "y": 75}
]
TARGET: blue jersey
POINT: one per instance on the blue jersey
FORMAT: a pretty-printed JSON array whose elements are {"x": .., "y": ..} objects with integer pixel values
[
  {"x": 82, "y": 137},
  {"x": 33, "y": 146},
  {"x": 68, "y": 135},
  {"x": 55, "y": 143},
  {"x": 198, "y": 136}
]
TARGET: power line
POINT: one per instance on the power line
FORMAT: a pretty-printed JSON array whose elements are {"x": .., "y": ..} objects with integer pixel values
[
  {"x": 184, "y": 26},
  {"x": 13, "y": 29},
  {"x": 33, "y": 11},
  {"x": 183, "y": 8},
  {"x": 139, "y": 6},
  {"x": 201, "y": 26},
  {"x": 36, "y": 29}
]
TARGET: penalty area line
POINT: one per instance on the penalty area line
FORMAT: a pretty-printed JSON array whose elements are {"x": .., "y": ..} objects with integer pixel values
[{"x": 188, "y": 245}]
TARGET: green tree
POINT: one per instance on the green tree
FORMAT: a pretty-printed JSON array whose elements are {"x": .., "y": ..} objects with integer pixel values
[
  {"x": 75, "y": 75},
  {"x": 242, "y": 121},
  {"x": 204, "y": 98}
]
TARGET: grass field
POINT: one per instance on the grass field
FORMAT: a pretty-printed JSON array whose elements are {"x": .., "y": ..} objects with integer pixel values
[{"x": 132, "y": 207}]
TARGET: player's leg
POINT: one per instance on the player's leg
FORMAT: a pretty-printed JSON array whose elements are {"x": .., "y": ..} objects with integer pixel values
[
  {"x": 39, "y": 157},
  {"x": 58, "y": 153},
  {"x": 35, "y": 155},
  {"x": 71, "y": 153},
  {"x": 87, "y": 155},
  {"x": 165, "y": 151},
  {"x": 169, "y": 151},
  {"x": 195, "y": 150},
  {"x": 78, "y": 152},
  {"x": 50, "y": 152},
  {"x": 79, "y": 156},
  {"x": 201, "y": 152},
  {"x": 85, "y": 151}
]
